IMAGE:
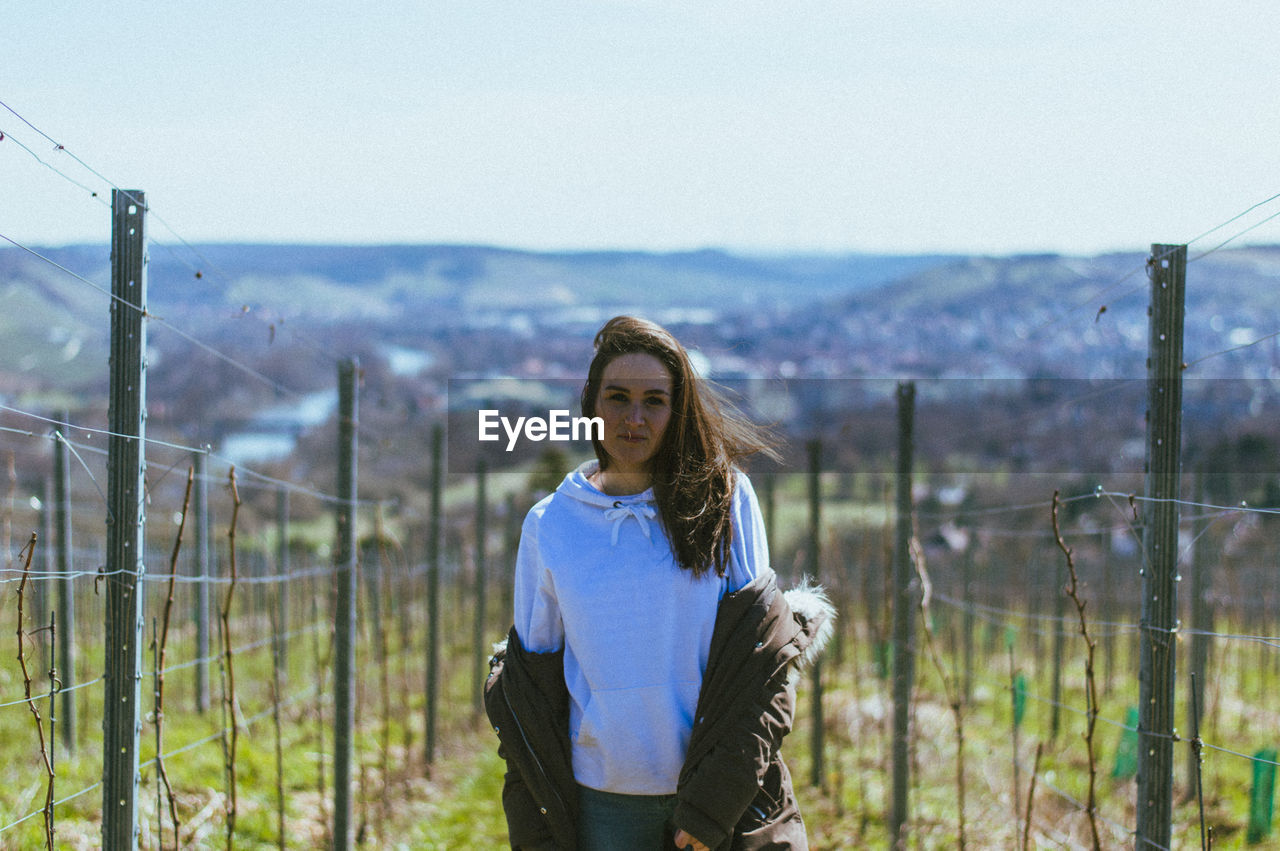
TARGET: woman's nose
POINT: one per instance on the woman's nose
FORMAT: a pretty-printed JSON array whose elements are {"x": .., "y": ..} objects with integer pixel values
[{"x": 634, "y": 415}]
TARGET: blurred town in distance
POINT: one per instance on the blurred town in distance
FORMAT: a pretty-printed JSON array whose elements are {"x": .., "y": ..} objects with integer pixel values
[{"x": 802, "y": 341}]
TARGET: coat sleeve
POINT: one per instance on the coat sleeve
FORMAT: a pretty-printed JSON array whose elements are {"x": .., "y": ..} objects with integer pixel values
[
  {"x": 729, "y": 778},
  {"x": 527, "y": 705},
  {"x": 527, "y": 828}
]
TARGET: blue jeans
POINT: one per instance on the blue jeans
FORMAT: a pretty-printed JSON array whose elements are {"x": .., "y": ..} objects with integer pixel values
[{"x": 612, "y": 822}]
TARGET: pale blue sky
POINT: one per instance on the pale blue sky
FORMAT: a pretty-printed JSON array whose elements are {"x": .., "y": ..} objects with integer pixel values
[{"x": 889, "y": 126}]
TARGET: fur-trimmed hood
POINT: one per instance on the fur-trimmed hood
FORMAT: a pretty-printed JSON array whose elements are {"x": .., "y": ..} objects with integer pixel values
[{"x": 816, "y": 614}]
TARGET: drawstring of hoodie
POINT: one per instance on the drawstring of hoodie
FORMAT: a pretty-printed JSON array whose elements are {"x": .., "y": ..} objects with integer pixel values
[{"x": 641, "y": 511}]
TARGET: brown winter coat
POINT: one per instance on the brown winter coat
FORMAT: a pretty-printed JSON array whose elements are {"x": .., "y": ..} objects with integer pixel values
[{"x": 734, "y": 792}]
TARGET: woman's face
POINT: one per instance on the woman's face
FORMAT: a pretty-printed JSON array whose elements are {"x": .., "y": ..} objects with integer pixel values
[{"x": 634, "y": 401}]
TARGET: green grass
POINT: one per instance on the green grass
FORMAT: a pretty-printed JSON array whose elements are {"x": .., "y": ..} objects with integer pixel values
[
  {"x": 400, "y": 803},
  {"x": 849, "y": 810},
  {"x": 395, "y": 805}
]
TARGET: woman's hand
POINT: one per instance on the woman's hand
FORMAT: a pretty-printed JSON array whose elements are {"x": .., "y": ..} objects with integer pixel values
[{"x": 684, "y": 840}]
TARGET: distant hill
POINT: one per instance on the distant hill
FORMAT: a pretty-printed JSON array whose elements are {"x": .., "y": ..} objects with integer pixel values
[
  {"x": 1050, "y": 281},
  {"x": 936, "y": 313},
  {"x": 1053, "y": 315},
  {"x": 332, "y": 281},
  {"x": 53, "y": 323}
]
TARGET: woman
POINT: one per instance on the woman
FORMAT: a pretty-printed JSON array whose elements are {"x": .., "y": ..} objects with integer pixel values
[{"x": 643, "y": 691}]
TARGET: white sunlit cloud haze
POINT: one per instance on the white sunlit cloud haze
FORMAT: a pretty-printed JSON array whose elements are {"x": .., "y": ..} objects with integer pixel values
[{"x": 831, "y": 126}]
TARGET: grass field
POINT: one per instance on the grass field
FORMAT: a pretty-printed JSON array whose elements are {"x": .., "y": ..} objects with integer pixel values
[{"x": 401, "y": 803}]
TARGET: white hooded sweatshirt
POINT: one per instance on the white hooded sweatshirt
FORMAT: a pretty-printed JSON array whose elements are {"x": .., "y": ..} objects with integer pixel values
[{"x": 595, "y": 574}]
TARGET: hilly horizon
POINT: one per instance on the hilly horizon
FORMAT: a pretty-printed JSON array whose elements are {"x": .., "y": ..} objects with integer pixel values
[
  {"x": 478, "y": 275},
  {"x": 411, "y": 294}
]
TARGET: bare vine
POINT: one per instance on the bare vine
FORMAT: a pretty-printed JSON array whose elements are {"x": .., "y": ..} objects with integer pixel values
[
  {"x": 23, "y": 636},
  {"x": 1031, "y": 797},
  {"x": 954, "y": 698},
  {"x": 1091, "y": 687},
  {"x": 162, "y": 645},
  {"x": 231, "y": 724},
  {"x": 276, "y": 661},
  {"x": 384, "y": 737}
]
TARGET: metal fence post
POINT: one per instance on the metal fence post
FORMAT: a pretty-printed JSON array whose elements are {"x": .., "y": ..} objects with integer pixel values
[
  {"x": 815, "y": 542},
  {"x": 969, "y": 619},
  {"x": 904, "y": 607},
  {"x": 479, "y": 669},
  {"x": 1201, "y": 626},
  {"x": 66, "y": 585},
  {"x": 1059, "y": 642},
  {"x": 281, "y": 637},
  {"x": 1157, "y": 652},
  {"x": 344, "y": 643},
  {"x": 200, "y": 498},
  {"x": 126, "y": 520},
  {"x": 433, "y": 591},
  {"x": 510, "y": 543}
]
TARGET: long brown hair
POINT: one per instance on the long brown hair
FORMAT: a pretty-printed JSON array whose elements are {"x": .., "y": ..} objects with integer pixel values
[{"x": 693, "y": 466}]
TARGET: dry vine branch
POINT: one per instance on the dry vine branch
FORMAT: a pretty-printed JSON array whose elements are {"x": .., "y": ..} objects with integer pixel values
[
  {"x": 27, "y": 552},
  {"x": 162, "y": 645},
  {"x": 276, "y": 629},
  {"x": 1031, "y": 797},
  {"x": 384, "y": 664},
  {"x": 1013, "y": 721},
  {"x": 954, "y": 698},
  {"x": 1091, "y": 687},
  {"x": 385, "y": 736},
  {"x": 231, "y": 724},
  {"x": 55, "y": 686},
  {"x": 1197, "y": 750},
  {"x": 322, "y": 670}
]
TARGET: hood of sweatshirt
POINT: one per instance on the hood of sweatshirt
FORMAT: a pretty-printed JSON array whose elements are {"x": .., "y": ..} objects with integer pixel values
[{"x": 617, "y": 510}]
